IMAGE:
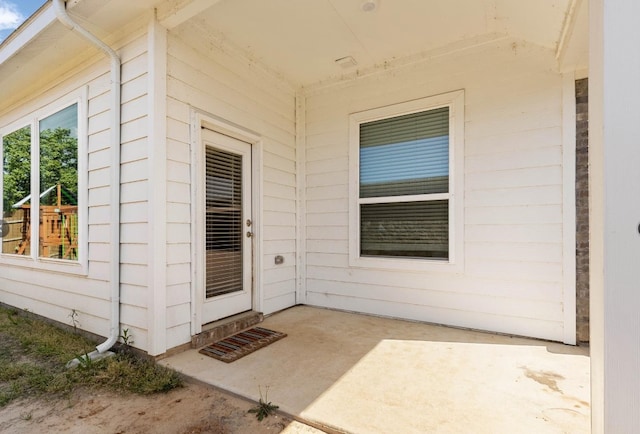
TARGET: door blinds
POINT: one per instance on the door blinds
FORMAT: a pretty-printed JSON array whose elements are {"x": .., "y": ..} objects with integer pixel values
[{"x": 223, "y": 222}]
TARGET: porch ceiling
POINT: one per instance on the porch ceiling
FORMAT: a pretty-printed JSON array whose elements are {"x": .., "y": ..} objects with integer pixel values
[
  {"x": 302, "y": 39},
  {"x": 298, "y": 39}
]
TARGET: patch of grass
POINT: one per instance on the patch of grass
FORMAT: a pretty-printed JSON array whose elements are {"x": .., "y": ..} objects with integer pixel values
[
  {"x": 40, "y": 339},
  {"x": 128, "y": 373},
  {"x": 34, "y": 354},
  {"x": 24, "y": 379}
]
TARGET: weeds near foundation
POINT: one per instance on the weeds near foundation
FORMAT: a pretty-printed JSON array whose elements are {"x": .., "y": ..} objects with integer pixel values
[
  {"x": 85, "y": 361},
  {"x": 74, "y": 320},
  {"x": 264, "y": 408},
  {"x": 128, "y": 373},
  {"x": 12, "y": 316},
  {"x": 34, "y": 353},
  {"x": 127, "y": 341}
]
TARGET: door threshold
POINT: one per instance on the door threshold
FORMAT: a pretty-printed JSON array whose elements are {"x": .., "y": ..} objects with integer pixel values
[{"x": 217, "y": 330}]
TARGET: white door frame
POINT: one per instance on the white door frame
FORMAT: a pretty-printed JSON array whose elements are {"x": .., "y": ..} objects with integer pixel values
[{"x": 200, "y": 119}]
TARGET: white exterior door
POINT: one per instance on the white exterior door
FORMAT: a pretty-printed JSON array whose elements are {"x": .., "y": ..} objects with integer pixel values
[{"x": 228, "y": 231}]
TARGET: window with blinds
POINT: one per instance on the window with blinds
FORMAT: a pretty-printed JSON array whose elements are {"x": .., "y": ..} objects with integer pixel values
[
  {"x": 404, "y": 185},
  {"x": 224, "y": 270}
]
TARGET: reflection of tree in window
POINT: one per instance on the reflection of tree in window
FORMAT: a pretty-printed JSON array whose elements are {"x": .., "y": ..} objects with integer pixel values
[
  {"x": 58, "y": 236},
  {"x": 57, "y": 228},
  {"x": 16, "y": 168},
  {"x": 59, "y": 165},
  {"x": 16, "y": 177}
]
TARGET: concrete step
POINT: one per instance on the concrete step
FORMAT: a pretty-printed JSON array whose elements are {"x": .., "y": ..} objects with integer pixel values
[{"x": 225, "y": 327}]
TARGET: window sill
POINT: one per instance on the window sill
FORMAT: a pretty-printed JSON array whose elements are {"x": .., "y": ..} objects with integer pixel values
[
  {"x": 46, "y": 265},
  {"x": 406, "y": 264}
]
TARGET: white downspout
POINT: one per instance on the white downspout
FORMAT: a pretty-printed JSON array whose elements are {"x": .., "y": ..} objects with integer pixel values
[{"x": 64, "y": 18}]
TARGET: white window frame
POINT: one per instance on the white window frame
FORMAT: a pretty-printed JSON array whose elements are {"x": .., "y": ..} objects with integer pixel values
[
  {"x": 79, "y": 266},
  {"x": 455, "y": 263}
]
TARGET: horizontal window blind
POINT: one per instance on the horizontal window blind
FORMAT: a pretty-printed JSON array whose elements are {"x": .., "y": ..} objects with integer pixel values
[
  {"x": 405, "y": 155},
  {"x": 409, "y": 229},
  {"x": 223, "y": 222}
]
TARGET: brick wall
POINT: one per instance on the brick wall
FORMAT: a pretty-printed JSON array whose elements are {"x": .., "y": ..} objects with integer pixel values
[{"x": 582, "y": 210}]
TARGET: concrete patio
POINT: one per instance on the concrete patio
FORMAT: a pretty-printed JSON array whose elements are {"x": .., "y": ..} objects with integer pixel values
[{"x": 362, "y": 374}]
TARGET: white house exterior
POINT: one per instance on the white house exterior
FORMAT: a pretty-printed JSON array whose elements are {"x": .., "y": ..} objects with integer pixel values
[{"x": 250, "y": 118}]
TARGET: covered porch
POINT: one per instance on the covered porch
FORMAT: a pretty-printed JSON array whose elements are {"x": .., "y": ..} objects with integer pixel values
[
  {"x": 290, "y": 78},
  {"x": 362, "y": 374}
]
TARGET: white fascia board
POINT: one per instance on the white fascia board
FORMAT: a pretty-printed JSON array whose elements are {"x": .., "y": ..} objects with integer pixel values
[{"x": 38, "y": 23}]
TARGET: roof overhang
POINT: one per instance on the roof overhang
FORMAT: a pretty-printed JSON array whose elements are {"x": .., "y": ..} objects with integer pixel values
[
  {"x": 304, "y": 41},
  {"x": 308, "y": 42}
]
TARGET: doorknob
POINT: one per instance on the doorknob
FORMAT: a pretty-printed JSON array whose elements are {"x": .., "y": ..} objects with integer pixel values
[{"x": 249, "y": 234}]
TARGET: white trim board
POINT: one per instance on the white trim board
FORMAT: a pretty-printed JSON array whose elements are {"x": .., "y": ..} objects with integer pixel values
[
  {"x": 455, "y": 263},
  {"x": 201, "y": 119},
  {"x": 569, "y": 206},
  {"x": 34, "y": 261},
  {"x": 157, "y": 154}
]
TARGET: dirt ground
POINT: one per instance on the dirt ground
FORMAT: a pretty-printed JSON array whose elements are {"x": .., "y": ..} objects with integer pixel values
[{"x": 192, "y": 409}]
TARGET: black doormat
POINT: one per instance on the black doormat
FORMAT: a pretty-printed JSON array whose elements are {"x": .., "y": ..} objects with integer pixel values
[{"x": 241, "y": 344}]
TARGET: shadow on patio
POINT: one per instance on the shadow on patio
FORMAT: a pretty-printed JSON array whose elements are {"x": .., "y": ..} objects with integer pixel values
[{"x": 363, "y": 374}]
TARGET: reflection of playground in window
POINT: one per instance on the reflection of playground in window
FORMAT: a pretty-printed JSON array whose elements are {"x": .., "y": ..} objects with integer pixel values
[{"x": 58, "y": 224}]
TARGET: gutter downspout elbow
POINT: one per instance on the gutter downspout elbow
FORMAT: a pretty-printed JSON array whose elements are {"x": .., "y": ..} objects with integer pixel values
[{"x": 62, "y": 15}]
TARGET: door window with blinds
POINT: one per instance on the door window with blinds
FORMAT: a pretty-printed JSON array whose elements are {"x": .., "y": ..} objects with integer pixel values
[
  {"x": 405, "y": 189},
  {"x": 223, "y": 222}
]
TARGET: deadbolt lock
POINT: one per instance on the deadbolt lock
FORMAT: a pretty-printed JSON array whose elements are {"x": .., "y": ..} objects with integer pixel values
[{"x": 249, "y": 222}]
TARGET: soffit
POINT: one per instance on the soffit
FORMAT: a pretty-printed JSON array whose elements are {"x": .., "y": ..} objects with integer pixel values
[
  {"x": 301, "y": 39},
  {"x": 52, "y": 50}
]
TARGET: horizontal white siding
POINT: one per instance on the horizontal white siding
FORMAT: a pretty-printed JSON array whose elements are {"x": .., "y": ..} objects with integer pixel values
[
  {"x": 54, "y": 294},
  {"x": 512, "y": 277},
  {"x": 206, "y": 78},
  {"x": 134, "y": 194}
]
